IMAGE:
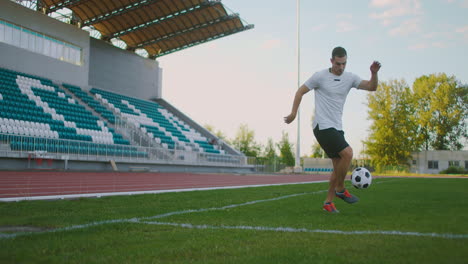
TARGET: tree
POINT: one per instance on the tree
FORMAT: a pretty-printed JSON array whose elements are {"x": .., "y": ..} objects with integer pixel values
[
  {"x": 245, "y": 141},
  {"x": 218, "y": 133},
  {"x": 270, "y": 158},
  {"x": 270, "y": 152},
  {"x": 394, "y": 132},
  {"x": 317, "y": 151},
  {"x": 285, "y": 147},
  {"x": 441, "y": 111}
]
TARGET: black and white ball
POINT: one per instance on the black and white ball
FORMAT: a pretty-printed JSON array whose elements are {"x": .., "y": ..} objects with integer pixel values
[{"x": 361, "y": 178}]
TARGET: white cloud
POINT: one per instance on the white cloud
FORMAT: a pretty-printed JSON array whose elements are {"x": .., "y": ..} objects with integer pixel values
[
  {"x": 386, "y": 22},
  {"x": 393, "y": 12},
  {"x": 406, "y": 27},
  {"x": 462, "y": 30},
  {"x": 345, "y": 26},
  {"x": 344, "y": 23},
  {"x": 381, "y": 3},
  {"x": 439, "y": 35},
  {"x": 395, "y": 9},
  {"x": 426, "y": 45}
]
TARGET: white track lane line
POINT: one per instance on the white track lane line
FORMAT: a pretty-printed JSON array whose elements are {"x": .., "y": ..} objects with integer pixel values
[{"x": 86, "y": 195}]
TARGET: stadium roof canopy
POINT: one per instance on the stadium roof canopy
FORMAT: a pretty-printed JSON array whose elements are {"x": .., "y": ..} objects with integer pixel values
[{"x": 158, "y": 26}]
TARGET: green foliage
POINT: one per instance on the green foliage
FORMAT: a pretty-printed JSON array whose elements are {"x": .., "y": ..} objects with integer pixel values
[
  {"x": 431, "y": 115},
  {"x": 454, "y": 170},
  {"x": 393, "y": 133},
  {"x": 270, "y": 152},
  {"x": 217, "y": 133},
  {"x": 317, "y": 151},
  {"x": 441, "y": 111},
  {"x": 285, "y": 147},
  {"x": 270, "y": 161},
  {"x": 245, "y": 141}
]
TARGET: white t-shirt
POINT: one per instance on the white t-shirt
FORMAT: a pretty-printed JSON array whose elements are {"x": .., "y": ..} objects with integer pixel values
[{"x": 330, "y": 96}]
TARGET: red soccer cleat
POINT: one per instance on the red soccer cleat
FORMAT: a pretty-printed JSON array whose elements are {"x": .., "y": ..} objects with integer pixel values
[
  {"x": 330, "y": 207},
  {"x": 347, "y": 197}
]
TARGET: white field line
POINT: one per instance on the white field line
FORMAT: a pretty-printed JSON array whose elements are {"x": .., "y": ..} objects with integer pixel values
[
  {"x": 258, "y": 228},
  {"x": 74, "y": 227},
  {"x": 228, "y": 206},
  {"x": 137, "y": 220},
  {"x": 305, "y": 230}
]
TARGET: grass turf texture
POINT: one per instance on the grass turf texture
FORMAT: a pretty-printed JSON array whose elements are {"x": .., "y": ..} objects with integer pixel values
[{"x": 404, "y": 204}]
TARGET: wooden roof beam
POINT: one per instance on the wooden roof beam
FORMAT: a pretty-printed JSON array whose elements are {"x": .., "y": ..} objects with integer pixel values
[
  {"x": 194, "y": 28},
  {"x": 161, "y": 19},
  {"x": 64, "y": 4},
  {"x": 224, "y": 34},
  {"x": 119, "y": 11}
]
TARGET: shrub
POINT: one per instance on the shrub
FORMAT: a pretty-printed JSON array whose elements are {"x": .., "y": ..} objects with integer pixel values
[{"x": 454, "y": 170}]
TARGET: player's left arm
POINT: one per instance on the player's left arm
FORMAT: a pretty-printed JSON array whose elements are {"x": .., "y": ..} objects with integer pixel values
[{"x": 371, "y": 85}]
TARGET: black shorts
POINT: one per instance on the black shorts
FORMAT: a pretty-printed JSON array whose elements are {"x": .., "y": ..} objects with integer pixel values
[{"x": 331, "y": 140}]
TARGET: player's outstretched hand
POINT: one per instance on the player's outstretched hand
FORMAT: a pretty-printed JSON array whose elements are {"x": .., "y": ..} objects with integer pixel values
[
  {"x": 375, "y": 67},
  {"x": 288, "y": 119}
]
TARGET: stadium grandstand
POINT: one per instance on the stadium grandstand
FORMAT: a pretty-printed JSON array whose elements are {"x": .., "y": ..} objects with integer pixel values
[{"x": 81, "y": 86}]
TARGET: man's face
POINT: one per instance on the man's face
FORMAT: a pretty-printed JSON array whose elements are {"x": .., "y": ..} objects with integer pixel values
[{"x": 338, "y": 65}]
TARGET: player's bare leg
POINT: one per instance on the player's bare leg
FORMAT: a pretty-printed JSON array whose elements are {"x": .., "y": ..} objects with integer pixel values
[
  {"x": 340, "y": 169},
  {"x": 343, "y": 166}
]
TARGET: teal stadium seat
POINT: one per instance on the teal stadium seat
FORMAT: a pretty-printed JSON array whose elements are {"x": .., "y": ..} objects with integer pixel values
[
  {"x": 157, "y": 122},
  {"x": 41, "y": 113}
]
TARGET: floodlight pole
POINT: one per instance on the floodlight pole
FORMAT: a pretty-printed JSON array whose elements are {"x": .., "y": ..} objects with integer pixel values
[{"x": 297, "y": 167}]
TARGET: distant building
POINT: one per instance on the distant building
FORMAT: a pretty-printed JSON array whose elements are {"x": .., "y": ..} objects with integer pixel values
[{"x": 434, "y": 161}]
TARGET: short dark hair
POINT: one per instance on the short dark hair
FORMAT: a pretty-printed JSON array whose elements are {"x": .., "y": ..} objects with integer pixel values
[{"x": 338, "y": 52}]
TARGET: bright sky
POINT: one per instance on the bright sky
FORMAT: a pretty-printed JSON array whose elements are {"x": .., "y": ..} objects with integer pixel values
[{"x": 251, "y": 77}]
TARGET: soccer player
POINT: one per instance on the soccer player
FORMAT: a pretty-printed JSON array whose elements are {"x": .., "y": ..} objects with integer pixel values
[{"x": 331, "y": 88}]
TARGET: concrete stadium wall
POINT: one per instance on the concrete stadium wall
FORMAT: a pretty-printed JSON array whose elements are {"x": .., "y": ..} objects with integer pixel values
[
  {"x": 103, "y": 65},
  {"x": 14, "y": 164},
  {"x": 123, "y": 72},
  {"x": 22, "y": 60},
  {"x": 318, "y": 163}
]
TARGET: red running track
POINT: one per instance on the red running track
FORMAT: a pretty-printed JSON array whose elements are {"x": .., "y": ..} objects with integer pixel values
[{"x": 17, "y": 185}]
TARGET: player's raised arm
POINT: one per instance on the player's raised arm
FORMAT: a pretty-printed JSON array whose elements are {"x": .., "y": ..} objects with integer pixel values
[
  {"x": 297, "y": 101},
  {"x": 371, "y": 85}
]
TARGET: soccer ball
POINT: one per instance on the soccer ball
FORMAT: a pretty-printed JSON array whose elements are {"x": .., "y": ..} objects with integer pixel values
[{"x": 361, "y": 178}]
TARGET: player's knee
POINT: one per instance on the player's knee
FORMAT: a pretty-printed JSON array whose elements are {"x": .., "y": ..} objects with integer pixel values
[{"x": 347, "y": 153}]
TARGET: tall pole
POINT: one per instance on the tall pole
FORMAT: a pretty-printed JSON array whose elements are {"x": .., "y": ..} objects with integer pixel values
[{"x": 297, "y": 167}]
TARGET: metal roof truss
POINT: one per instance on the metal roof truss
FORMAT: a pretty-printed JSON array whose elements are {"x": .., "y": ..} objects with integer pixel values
[{"x": 159, "y": 26}]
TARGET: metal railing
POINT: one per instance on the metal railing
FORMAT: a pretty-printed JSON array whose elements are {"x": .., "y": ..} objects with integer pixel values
[
  {"x": 134, "y": 133},
  {"x": 19, "y": 146}
]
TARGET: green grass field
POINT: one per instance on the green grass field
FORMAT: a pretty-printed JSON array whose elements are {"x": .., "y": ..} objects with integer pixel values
[{"x": 398, "y": 220}]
